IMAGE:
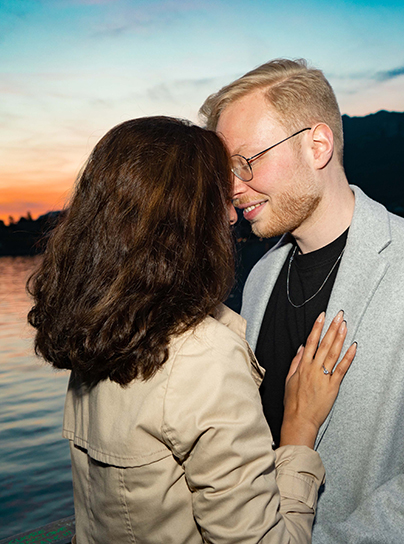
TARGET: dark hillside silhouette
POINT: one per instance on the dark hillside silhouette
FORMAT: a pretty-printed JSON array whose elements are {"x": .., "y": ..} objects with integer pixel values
[{"x": 374, "y": 156}]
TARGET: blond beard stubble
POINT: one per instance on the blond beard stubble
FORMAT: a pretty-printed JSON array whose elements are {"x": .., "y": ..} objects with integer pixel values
[{"x": 290, "y": 212}]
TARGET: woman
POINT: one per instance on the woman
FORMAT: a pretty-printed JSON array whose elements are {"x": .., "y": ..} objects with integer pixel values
[{"x": 167, "y": 436}]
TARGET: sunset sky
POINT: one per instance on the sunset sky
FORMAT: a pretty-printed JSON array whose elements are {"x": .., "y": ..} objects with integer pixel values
[{"x": 71, "y": 69}]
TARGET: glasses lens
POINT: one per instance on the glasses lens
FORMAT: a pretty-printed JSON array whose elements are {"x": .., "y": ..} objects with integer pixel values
[{"x": 241, "y": 168}]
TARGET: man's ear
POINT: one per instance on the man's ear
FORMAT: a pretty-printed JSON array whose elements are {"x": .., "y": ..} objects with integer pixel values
[{"x": 322, "y": 145}]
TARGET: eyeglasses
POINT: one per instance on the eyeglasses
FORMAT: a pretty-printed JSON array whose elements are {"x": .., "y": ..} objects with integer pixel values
[{"x": 241, "y": 167}]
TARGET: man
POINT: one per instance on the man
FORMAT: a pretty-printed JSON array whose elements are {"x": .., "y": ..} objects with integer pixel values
[{"x": 341, "y": 250}]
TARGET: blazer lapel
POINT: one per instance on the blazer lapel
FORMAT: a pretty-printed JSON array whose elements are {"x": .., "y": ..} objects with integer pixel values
[
  {"x": 362, "y": 268},
  {"x": 259, "y": 288}
]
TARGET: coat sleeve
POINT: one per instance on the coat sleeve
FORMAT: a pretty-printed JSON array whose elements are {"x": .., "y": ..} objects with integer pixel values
[{"x": 214, "y": 424}]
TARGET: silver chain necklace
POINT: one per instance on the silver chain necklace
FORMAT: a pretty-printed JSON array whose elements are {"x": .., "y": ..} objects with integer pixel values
[{"x": 321, "y": 286}]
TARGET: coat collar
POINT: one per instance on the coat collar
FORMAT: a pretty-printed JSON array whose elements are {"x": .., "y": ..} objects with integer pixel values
[
  {"x": 238, "y": 324},
  {"x": 231, "y": 319},
  {"x": 363, "y": 264}
]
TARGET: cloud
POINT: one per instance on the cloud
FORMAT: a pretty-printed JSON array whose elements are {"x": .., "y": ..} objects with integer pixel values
[
  {"x": 86, "y": 2},
  {"x": 149, "y": 16},
  {"x": 175, "y": 89},
  {"x": 382, "y": 75},
  {"x": 369, "y": 75},
  {"x": 390, "y": 74}
]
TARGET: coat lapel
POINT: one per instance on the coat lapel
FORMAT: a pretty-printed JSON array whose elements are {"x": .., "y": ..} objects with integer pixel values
[
  {"x": 362, "y": 268},
  {"x": 259, "y": 287}
]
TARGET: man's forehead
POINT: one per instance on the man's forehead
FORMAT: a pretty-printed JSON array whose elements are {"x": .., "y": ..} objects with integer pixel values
[{"x": 247, "y": 122}]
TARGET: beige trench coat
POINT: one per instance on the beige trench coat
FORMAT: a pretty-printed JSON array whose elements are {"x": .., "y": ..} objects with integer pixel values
[{"x": 186, "y": 457}]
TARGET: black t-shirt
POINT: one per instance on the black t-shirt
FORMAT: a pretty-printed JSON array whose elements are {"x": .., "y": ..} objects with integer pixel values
[{"x": 284, "y": 328}]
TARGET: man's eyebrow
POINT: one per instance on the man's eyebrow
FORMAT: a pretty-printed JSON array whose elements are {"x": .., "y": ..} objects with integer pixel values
[{"x": 241, "y": 149}]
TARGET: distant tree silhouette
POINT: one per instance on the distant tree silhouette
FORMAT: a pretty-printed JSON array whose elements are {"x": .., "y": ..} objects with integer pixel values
[{"x": 27, "y": 236}]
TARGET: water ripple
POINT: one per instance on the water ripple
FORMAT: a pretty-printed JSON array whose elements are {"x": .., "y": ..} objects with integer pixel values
[{"x": 35, "y": 465}]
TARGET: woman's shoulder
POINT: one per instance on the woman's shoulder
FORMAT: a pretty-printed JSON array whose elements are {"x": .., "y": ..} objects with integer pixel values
[
  {"x": 223, "y": 331},
  {"x": 217, "y": 345}
]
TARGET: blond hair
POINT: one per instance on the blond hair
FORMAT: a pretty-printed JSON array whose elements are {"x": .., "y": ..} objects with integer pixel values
[{"x": 300, "y": 96}]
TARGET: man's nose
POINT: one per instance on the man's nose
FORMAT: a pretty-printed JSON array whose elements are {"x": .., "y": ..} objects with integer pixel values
[{"x": 239, "y": 187}]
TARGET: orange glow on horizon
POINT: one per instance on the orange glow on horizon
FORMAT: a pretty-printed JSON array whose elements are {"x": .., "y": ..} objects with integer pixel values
[{"x": 18, "y": 201}]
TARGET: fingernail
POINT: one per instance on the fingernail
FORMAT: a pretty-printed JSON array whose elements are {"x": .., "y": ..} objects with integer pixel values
[
  {"x": 321, "y": 317},
  {"x": 339, "y": 316},
  {"x": 299, "y": 349},
  {"x": 342, "y": 327}
]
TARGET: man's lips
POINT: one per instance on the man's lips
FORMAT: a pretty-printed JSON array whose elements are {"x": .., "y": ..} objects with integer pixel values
[{"x": 251, "y": 209}]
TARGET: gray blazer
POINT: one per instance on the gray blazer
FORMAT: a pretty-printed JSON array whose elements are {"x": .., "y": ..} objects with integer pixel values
[{"x": 362, "y": 441}]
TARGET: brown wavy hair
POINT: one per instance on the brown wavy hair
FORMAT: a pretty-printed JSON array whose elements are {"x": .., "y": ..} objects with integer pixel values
[{"x": 144, "y": 252}]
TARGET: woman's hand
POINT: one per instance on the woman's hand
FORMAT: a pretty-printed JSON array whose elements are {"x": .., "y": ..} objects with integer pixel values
[{"x": 312, "y": 385}]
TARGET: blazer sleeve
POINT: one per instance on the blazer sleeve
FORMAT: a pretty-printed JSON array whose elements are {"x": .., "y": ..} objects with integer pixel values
[{"x": 214, "y": 424}]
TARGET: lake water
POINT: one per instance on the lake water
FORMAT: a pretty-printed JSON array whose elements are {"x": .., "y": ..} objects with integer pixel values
[{"x": 35, "y": 478}]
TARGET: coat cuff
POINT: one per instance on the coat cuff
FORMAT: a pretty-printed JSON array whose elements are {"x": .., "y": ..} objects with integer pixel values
[{"x": 300, "y": 473}]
